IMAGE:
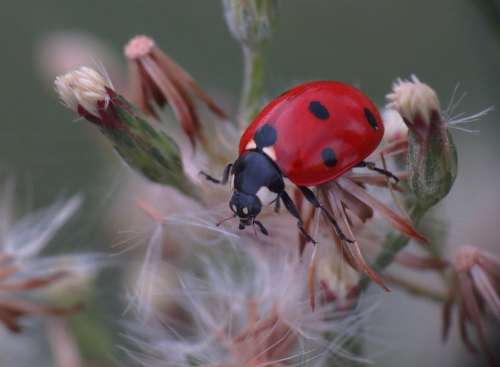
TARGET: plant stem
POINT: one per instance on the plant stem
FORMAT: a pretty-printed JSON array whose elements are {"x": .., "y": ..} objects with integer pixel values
[
  {"x": 394, "y": 243},
  {"x": 253, "y": 84}
]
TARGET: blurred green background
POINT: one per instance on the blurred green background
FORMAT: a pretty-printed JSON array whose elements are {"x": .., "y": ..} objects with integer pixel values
[{"x": 368, "y": 43}]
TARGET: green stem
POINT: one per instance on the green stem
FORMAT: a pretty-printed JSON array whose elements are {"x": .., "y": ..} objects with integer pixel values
[
  {"x": 394, "y": 243},
  {"x": 253, "y": 84}
]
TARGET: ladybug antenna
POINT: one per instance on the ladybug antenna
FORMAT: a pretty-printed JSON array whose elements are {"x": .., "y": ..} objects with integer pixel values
[
  {"x": 372, "y": 167},
  {"x": 225, "y": 220},
  {"x": 261, "y": 227}
]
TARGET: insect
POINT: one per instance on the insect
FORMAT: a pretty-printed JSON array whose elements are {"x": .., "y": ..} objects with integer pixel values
[{"x": 311, "y": 134}]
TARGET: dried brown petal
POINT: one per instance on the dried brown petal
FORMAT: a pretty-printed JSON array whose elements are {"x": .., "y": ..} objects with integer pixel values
[
  {"x": 187, "y": 81},
  {"x": 10, "y": 319},
  {"x": 420, "y": 263},
  {"x": 354, "y": 248},
  {"x": 24, "y": 307},
  {"x": 486, "y": 290},
  {"x": 400, "y": 223},
  {"x": 341, "y": 248},
  {"x": 490, "y": 265},
  {"x": 462, "y": 323},
  {"x": 32, "y": 283},
  {"x": 471, "y": 311},
  {"x": 447, "y": 308},
  {"x": 311, "y": 276},
  {"x": 358, "y": 207},
  {"x": 181, "y": 107}
]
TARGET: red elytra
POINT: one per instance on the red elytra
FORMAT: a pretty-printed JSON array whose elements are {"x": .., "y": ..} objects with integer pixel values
[{"x": 318, "y": 130}]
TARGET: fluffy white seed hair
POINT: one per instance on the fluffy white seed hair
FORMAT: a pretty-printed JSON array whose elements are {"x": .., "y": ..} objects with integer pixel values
[
  {"x": 413, "y": 98},
  {"x": 27, "y": 237},
  {"x": 214, "y": 294},
  {"x": 83, "y": 86}
]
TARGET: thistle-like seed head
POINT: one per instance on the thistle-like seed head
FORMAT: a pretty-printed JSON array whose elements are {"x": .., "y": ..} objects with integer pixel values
[
  {"x": 250, "y": 22},
  {"x": 432, "y": 157},
  {"x": 413, "y": 99},
  {"x": 82, "y": 87}
]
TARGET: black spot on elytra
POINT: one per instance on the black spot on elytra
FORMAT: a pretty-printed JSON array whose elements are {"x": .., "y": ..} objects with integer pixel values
[
  {"x": 318, "y": 110},
  {"x": 329, "y": 157},
  {"x": 371, "y": 119},
  {"x": 265, "y": 136}
]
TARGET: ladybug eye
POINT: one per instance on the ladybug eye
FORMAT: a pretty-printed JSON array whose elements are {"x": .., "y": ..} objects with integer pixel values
[
  {"x": 245, "y": 210},
  {"x": 232, "y": 207}
]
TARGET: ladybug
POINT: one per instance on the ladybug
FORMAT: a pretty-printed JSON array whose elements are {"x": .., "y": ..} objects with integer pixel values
[{"x": 311, "y": 134}]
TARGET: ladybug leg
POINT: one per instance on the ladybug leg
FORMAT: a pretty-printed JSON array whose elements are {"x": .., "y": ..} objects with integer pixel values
[
  {"x": 311, "y": 197},
  {"x": 218, "y": 224},
  {"x": 277, "y": 205},
  {"x": 225, "y": 175},
  {"x": 261, "y": 227},
  {"x": 372, "y": 167},
  {"x": 292, "y": 209}
]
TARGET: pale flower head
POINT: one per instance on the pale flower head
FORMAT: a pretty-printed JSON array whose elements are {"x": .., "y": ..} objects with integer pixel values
[
  {"x": 413, "y": 99},
  {"x": 24, "y": 275},
  {"x": 139, "y": 46},
  {"x": 83, "y": 87}
]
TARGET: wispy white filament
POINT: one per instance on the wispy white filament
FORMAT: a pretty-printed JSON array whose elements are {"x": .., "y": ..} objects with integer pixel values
[
  {"x": 216, "y": 288},
  {"x": 28, "y": 236}
]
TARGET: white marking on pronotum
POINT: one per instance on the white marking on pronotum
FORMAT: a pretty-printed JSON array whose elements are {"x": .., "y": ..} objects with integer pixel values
[
  {"x": 266, "y": 196},
  {"x": 251, "y": 145},
  {"x": 231, "y": 182},
  {"x": 270, "y": 152}
]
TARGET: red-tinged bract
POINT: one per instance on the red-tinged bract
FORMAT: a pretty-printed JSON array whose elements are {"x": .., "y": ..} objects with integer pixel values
[{"x": 321, "y": 130}]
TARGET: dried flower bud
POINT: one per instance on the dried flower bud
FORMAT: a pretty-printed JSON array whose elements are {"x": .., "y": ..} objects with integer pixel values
[
  {"x": 143, "y": 147},
  {"x": 250, "y": 21},
  {"x": 156, "y": 78},
  {"x": 475, "y": 290},
  {"x": 432, "y": 157},
  {"x": 24, "y": 276}
]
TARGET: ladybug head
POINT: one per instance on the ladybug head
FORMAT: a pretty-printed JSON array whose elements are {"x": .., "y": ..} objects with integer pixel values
[{"x": 245, "y": 206}]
